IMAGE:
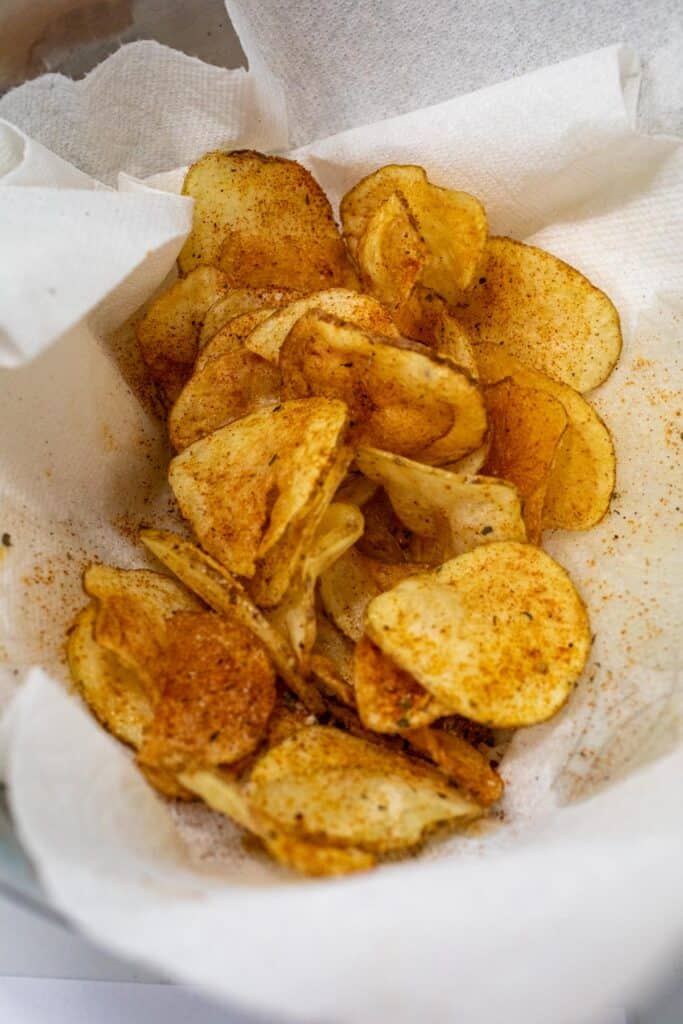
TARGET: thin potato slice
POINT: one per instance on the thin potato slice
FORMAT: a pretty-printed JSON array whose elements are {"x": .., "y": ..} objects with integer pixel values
[
  {"x": 427, "y": 318},
  {"x": 461, "y": 761},
  {"x": 399, "y": 399},
  {"x": 362, "y": 310},
  {"x": 217, "y": 694},
  {"x": 251, "y": 485},
  {"x": 499, "y": 634},
  {"x": 526, "y": 430},
  {"x": 214, "y": 584},
  {"x": 348, "y": 585},
  {"x": 228, "y": 381},
  {"x": 238, "y": 301},
  {"x": 391, "y": 252},
  {"x": 168, "y": 334},
  {"x": 544, "y": 312},
  {"x": 457, "y": 512},
  {"x": 389, "y": 699},
  {"x": 583, "y": 473},
  {"x": 324, "y": 785},
  {"x": 265, "y": 222}
]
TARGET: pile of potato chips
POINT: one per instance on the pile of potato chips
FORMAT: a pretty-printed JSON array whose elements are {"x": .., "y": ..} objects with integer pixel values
[{"x": 372, "y": 429}]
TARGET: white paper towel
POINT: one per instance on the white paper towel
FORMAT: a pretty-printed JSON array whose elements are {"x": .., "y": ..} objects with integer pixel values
[{"x": 549, "y": 916}]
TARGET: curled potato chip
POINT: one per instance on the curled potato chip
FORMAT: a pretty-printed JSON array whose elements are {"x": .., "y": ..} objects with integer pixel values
[
  {"x": 583, "y": 472},
  {"x": 452, "y": 224},
  {"x": 228, "y": 381},
  {"x": 325, "y": 785},
  {"x": 264, "y": 221},
  {"x": 217, "y": 694},
  {"x": 267, "y": 339},
  {"x": 427, "y": 318},
  {"x": 498, "y": 634},
  {"x": 391, "y": 252},
  {"x": 168, "y": 334},
  {"x": 399, "y": 399},
  {"x": 526, "y": 429},
  {"x": 214, "y": 584},
  {"x": 457, "y": 512},
  {"x": 543, "y": 312},
  {"x": 459, "y": 760},
  {"x": 389, "y": 699},
  {"x": 251, "y": 486},
  {"x": 352, "y": 581},
  {"x": 238, "y": 301}
]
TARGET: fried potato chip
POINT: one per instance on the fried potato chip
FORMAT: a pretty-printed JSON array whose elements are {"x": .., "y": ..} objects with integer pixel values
[
  {"x": 526, "y": 429},
  {"x": 391, "y": 252},
  {"x": 498, "y": 634},
  {"x": 228, "y": 381},
  {"x": 452, "y": 224},
  {"x": 265, "y": 222},
  {"x": 238, "y": 301},
  {"x": 583, "y": 473},
  {"x": 325, "y": 785},
  {"x": 352, "y": 581},
  {"x": 134, "y": 609},
  {"x": 362, "y": 310},
  {"x": 250, "y": 486},
  {"x": 461, "y": 761},
  {"x": 330, "y": 682},
  {"x": 457, "y": 512},
  {"x": 217, "y": 694},
  {"x": 427, "y": 318},
  {"x": 214, "y": 584},
  {"x": 544, "y": 312},
  {"x": 398, "y": 399},
  {"x": 389, "y": 699},
  {"x": 168, "y": 333}
]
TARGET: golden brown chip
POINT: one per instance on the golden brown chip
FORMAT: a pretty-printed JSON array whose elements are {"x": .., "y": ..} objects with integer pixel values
[
  {"x": 461, "y": 761},
  {"x": 399, "y": 399},
  {"x": 217, "y": 694},
  {"x": 543, "y": 312},
  {"x": 583, "y": 473},
  {"x": 265, "y": 222},
  {"x": 498, "y": 634},
  {"x": 389, "y": 699},
  {"x": 526, "y": 429},
  {"x": 168, "y": 334},
  {"x": 238, "y": 301},
  {"x": 427, "y": 318},
  {"x": 391, "y": 252}
]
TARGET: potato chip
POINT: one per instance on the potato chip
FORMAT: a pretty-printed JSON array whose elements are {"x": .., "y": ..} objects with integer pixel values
[
  {"x": 461, "y": 761},
  {"x": 238, "y": 301},
  {"x": 228, "y": 381},
  {"x": 250, "y": 486},
  {"x": 399, "y": 400},
  {"x": 352, "y": 581},
  {"x": 325, "y": 785},
  {"x": 391, "y": 252},
  {"x": 168, "y": 333},
  {"x": 265, "y": 222},
  {"x": 217, "y": 694},
  {"x": 385, "y": 537},
  {"x": 330, "y": 682},
  {"x": 134, "y": 609},
  {"x": 335, "y": 647},
  {"x": 362, "y": 310},
  {"x": 214, "y": 584},
  {"x": 427, "y": 318},
  {"x": 543, "y": 312},
  {"x": 389, "y": 699},
  {"x": 583, "y": 473},
  {"x": 498, "y": 634},
  {"x": 457, "y": 512},
  {"x": 526, "y": 429}
]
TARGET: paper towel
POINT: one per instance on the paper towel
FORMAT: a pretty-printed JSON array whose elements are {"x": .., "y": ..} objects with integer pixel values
[{"x": 550, "y": 915}]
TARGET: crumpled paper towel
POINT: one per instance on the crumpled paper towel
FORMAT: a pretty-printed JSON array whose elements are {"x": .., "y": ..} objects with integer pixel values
[{"x": 550, "y": 916}]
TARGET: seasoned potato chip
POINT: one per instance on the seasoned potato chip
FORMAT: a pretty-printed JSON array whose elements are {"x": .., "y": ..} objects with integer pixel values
[
  {"x": 250, "y": 486},
  {"x": 214, "y": 584},
  {"x": 526, "y": 429},
  {"x": 544, "y": 312},
  {"x": 237, "y": 302},
  {"x": 459, "y": 760},
  {"x": 391, "y": 252},
  {"x": 168, "y": 334},
  {"x": 134, "y": 609},
  {"x": 326, "y": 785},
  {"x": 217, "y": 694},
  {"x": 452, "y": 224},
  {"x": 265, "y": 222},
  {"x": 398, "y": 399},
  {"x": 427, "y": 318},
  {"x": 389, "y": 699},
  {"x": 499, "y": 634},
  {"x": 352, "y": 581},
  {"x": 457, "y": 512},
  {"x": 583, "y": 472},
  {"x": 228, "y": 381},
  {"x": 362, "y": 310}
]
